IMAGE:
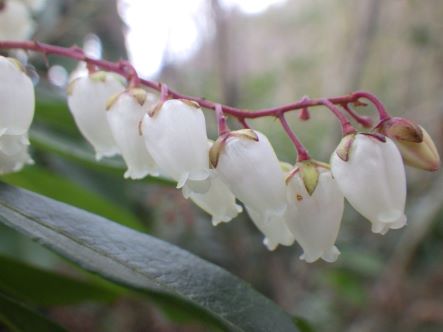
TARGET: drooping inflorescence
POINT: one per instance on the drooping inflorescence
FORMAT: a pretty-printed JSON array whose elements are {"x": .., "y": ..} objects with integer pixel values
[{"x": 165, "y": 134}]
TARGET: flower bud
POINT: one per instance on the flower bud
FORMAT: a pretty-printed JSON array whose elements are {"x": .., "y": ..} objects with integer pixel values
[
  {"x": 416, "y": 146},
  {"x": 423, "y": 155},
  {"x": 373, "y": 181},
  {"x": 87, "y": 97},
  {"x": 15, "y": 21},
  {"x": 175, "y": 135},
  {"x": 16, "y": 98},
  {"x": 124, "y": 113},
  {"x": 314, "y": 218}
]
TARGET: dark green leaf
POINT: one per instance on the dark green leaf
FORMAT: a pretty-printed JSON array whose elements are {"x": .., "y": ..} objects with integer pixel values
[
  {"x": 37, "y": 286},
  {"x": 140, "y": 261},
  {"x": 80, "y": 153},
  {"x": 52, "y": 185},
  {"x": 303, "y": 325},
  {"x": 20, "y": 318}
]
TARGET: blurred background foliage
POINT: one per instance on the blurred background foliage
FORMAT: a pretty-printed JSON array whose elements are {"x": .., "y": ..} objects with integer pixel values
[{"x": 299, "y": 47}]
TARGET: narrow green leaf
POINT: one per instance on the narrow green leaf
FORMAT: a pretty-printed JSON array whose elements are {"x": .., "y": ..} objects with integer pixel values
[
  {"x": 52, "y": 185},
  {"x": 20, "y": 318},
  {"x": 140, "y": 261},
  {"x": 46, "y": 140},
  {"x": 37, "y": 286}
]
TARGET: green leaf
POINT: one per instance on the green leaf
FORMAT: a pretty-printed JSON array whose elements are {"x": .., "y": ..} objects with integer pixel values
[
  {"x": 52, "y": 185},
  {"x": 37, "y": 286},
  {"x": 20, "y": 318},
  {"x": 46, "y": 140},
  {"x": 303, "y": 325},
  {"x": 140, "y": 261}
]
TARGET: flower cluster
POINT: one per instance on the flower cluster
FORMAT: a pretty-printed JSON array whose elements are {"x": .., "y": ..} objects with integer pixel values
[
  {"x": 159, "y": 135},
  {"x": 16, "y": 18},
  {"x": 17, "y": 110}
]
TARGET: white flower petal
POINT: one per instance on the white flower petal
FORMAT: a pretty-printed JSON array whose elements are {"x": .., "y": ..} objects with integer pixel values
[
  {"x": 373, "y": 181},
  {"x": 87, "y": 102},
  {"x": 218, "y": 201},
  {"x": 177, "y": 140},
  {"x": 124, "y": 117},
  {"x": 16, "y": 98},
  {"x": 15, "y": 158},
  {"x": 252, "y": 172},
  {"x": 273, "y": 226},
  {"x": 315, "y": 220}
]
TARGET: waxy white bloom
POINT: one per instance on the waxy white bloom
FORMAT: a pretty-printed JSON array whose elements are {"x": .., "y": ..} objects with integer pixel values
[
  {"x": 175, "y": 135},
  {"x": 124, "y": 114},
  {"x": 14, "y": 153},
  {"x": 274, "y": 228},
  {"x": 218, "y": 201},
  {"x": 15, "y": 21},
  {"x": 87, "y": 97},
  {"x": 372, "y": 180},
  {"x": 315, "y": 219},
  {"x": 246, "y": 162},
  {"x": 17, "y": 99}
]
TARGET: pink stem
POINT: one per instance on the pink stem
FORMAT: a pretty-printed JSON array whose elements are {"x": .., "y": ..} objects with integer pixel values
[
  {"x": 302, "y": 153},
  {"x": 243, "y": 123},
  {"x": 76, "y": 53},
  {"x": 365, "y": 121},
  {"x": 383, "y": 114},
  {"x": 164, "y": 92},
  {"x": 221, "y": 120},
  {"x": 346, "y": 126}
]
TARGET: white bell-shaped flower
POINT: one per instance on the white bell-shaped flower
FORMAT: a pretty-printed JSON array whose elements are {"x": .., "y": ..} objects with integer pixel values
[
  {"x": 124, "y": 114},
  {"x": 273, "y": 227},
  {"x": 15, "y": 21},
  {"x": 17, "y": 99},
  {"x": 372, "y": 179},
  {"x": 14, "y": 153},
  {"x": 247, "y": 164},
  {"x": 87, "y": 97},
  {"x": 218, "y": 201},
  {"x": 175, "y": 135},
  {"x": 315, "y": 219}
]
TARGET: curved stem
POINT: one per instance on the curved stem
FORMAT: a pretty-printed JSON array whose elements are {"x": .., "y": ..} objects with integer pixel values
[
  {"x": 365, "y": 121},
  {"x": 383, "y": 114},
  {"x": 346, "y": 126},
  {"x": 77, "y": 53},
  {"x": 302, "y": 153},
  {"x": 243, "y": 123}
]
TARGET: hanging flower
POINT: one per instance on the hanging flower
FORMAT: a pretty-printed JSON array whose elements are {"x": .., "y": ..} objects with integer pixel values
[
  {"x": 124, "y": 113},
  {"x": 15, "y": 21},
  {"x": 14, "y": 153},
  {"x": 16, "y": 98},
  {"x": 273, "y": 227},
  {"x": 246, "y": 162},
  {"x": 314, "y": 211},
  {"x": 87, "y": 97},
  {"x": 175, "y": 135},
  {"x": 370, "y": 173},
  {"x": 218, "y": 201}
]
